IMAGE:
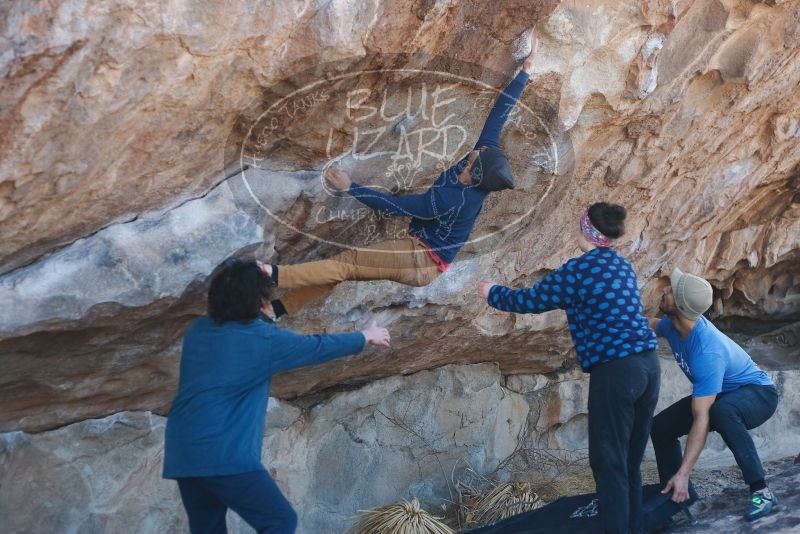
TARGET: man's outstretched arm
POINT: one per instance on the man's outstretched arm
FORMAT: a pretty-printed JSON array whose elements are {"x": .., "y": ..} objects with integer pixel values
[
  {"x": 695, "y": 442},
  {"x": 490, "y": 135},
  {"x": 707, "y": 384}
]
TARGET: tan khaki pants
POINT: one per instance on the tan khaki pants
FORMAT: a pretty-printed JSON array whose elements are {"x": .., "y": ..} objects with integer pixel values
[{"x": 400, "y": 260}]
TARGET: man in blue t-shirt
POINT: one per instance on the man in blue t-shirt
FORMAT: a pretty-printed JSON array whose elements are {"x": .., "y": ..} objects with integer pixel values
[
  {"x": 730, "y": 394},
  {"x": 216, "y": 423}
]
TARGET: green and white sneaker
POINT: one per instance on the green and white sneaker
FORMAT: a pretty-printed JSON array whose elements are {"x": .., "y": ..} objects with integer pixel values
[{"x": 761, "y": 503}]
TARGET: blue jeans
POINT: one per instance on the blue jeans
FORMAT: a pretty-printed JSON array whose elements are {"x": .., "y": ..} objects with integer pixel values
[
  {"x": 254, "y": 496},
  {"x": 732, "y": 415}
]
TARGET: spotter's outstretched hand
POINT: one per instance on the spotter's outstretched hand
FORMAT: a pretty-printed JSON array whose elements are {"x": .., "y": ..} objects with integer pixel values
[
  {"x": 338, "y": 179},
  {"x": 484, "y": 288},
  {"x": 376, "y": 335}
]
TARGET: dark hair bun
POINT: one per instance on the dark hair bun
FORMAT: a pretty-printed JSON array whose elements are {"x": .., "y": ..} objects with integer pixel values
[{"x": 608, "y": 218}]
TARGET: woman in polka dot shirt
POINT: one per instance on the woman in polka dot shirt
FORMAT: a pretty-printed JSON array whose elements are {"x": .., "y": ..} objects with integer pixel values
[{"x": 613, "y": 341}]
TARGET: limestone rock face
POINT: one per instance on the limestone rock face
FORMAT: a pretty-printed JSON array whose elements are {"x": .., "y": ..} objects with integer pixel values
[
  {"x": 138, "y": 151},
  {"x": 395, "y": 438},
  {"x": 143, "y": 143}
]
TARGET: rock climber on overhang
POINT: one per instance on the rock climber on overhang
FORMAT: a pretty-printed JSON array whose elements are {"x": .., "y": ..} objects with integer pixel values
[{"x": 442, "y": 217}]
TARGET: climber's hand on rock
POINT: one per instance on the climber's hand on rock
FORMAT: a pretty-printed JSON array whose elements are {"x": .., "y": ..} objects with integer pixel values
[
  {"x": 376, "y": 335},
  {"x": 484, "y": 288},
  {"x": 338, "y": 179},
  {"x": 527, "y": 65}
]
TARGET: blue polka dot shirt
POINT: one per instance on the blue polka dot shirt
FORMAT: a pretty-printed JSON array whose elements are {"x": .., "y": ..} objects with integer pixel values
[{"x": 600, "y": 295}]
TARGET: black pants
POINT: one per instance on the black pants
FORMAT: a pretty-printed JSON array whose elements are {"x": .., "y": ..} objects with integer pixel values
[
  {"x": 732, "y": 415},
  {"x": 622, "y": 398},
  {"x": 254, "y": 496}
]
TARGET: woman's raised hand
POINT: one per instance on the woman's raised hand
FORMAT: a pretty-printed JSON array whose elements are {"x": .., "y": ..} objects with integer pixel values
[{"x": 484, "y": 288}]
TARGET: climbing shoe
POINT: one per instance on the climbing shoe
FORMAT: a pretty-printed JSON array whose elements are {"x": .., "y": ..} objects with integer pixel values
[{"x": 761, "y": 503}]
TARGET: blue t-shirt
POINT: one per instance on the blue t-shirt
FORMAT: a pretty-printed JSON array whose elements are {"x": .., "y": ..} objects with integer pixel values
[
  {"x": 712, "y": 361},
  {"x": 216, "y": 423},
  {"x": 599, "y": 292}
]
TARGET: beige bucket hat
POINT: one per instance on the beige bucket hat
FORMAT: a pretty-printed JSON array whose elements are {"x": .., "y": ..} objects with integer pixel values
[{"x": 693, "y": 295}]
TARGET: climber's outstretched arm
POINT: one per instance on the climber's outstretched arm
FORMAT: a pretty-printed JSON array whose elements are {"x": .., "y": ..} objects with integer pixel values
[
  {"x": 418, "y": 206},
  {"x": 490, "y": 135}
]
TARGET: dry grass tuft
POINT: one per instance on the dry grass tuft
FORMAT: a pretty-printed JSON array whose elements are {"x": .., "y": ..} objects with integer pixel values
[
  {"x": 399, "y": 518},
  {"x": 502, "y": 502}
]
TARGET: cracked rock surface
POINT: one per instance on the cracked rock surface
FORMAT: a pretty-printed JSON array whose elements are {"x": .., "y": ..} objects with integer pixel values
[
  {"x": 400, "y": 437},
  {"x": 121, "y": 188}
]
